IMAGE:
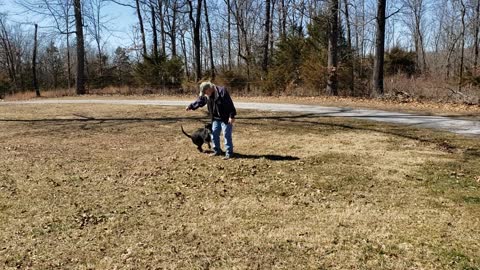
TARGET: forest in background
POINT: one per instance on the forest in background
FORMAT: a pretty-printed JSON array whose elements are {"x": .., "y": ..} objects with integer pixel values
[{"x": 406, "y": 49}]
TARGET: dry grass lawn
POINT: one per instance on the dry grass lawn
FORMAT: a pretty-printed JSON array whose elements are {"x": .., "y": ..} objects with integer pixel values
[{"x": 120, "y": 187}]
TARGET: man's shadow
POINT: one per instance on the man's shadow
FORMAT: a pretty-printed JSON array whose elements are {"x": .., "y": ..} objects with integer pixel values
[{"x": 268, "y": 157}]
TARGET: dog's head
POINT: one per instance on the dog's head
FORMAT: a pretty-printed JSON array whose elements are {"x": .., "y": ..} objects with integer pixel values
[{"x": 209, "y": 127}]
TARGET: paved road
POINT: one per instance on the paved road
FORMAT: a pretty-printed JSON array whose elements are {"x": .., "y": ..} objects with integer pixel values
[{"x": 467, "y": 127}]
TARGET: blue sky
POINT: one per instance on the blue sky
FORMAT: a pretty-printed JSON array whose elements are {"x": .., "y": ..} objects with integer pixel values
[{"x": 121, "y": 21}]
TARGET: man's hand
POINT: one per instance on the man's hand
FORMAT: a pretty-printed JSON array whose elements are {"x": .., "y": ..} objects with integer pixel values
[
  {"x": 188, "y": 108},
  {"x": 231, "y": 121}
]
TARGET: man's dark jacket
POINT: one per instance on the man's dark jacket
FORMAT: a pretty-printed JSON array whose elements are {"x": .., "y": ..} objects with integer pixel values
[{"x": 220, "y": 105}]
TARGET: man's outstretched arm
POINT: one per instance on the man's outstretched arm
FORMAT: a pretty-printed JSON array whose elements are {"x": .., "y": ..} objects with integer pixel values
[{"x": 200, "y": 102}]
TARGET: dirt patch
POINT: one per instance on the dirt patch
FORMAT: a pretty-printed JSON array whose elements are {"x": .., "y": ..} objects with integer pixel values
[{"x": 105, "y": 186}]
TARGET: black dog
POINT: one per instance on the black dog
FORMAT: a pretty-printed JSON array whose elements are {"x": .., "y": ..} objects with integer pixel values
[{"x": 201, "y": 136}]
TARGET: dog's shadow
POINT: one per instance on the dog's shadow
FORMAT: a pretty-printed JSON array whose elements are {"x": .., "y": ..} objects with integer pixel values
[{"x": 268, "y": 157}]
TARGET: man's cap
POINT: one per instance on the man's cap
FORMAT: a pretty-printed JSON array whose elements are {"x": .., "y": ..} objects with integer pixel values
[{"x": 204, "y": 86}]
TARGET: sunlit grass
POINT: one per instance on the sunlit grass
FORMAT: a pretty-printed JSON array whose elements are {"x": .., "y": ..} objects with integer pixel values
[{"x": 105, "y": 187}]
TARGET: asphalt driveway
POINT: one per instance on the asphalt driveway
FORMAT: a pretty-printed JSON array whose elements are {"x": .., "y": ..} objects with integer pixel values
[{"x": 466, "y": 127}]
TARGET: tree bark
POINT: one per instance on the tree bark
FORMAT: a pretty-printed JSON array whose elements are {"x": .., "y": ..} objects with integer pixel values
[
  {"x": 162, "y": 26},
  {"x": 210, "y": 47},
  {"x": 196, "y": 37},
  {"x": 462, "y": 51},
  {"x": 266, "y": 36},
  {"x": 332, "y": 82},
  {"x": 80, "y": 89},
  {"x": 475, "y": 42},
  {"x": 184, "y": 49},
  {"x": 229, "y": 35},
  {"x": 283, "y": 19},
  {"x": 142, "y": 29},
  {"x": 173, "y": 30},
  {"x": 417, "y": 7},
  {"x": 350, "y": 49},
  {"x": 270, "y": 31},
  {"x": 69, "y": 59},
  {"x": 9, "y": 55},
  {"x": 34, "y": 62},
  {"x": 154, "y": 32},
  {"x": 378, "y": 72}
]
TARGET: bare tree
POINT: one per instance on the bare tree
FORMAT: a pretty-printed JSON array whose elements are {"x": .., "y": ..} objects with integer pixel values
[
  {"x": 59, "y": 17},
  {"x": 462, "y": 46},
  {"x": 414, "y": 20},
  {"x": 154, "y": 30},
  {"x": 241, "y": 10},
  {"x": 172, "y": 23},
  {"x": 34, "y": 62},
  {"x": 142, "y": 29},
  {"x": 210, "y": 47},
  {"x": 9, "y": 52},
  {"x": 96, "y": 25},
  {"x": 161, "y": 14},
  {"x": 359, "y": 23},
  {"x": 350, "y": 48},
  {"x": 476, "y": 36},
  {"x": 80, "y": 48},
  {"x": 378, "y": 72},
  {"x": 196, "y": 23},
  {"x": 229, "y": 34},
  {"x": 266, "y": 36},
  {"x": 332, "y": 82}
]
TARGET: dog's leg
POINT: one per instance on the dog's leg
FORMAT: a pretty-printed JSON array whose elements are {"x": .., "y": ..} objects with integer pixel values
[{"x": 200, "y": 148}]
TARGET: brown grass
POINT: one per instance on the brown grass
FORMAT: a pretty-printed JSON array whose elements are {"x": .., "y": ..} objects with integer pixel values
[
  {"x": 119, "y": 187},
  {"x": 431, "y": 89},
  {"x": 44, "y": 94}
]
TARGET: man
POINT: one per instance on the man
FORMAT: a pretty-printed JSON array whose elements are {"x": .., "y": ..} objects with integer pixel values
[{"x": 222, "y": 111}]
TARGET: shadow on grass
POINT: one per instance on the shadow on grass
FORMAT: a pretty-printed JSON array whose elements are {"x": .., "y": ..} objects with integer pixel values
[
  {"x": 305, "y": 118},
  {"x": 269, "y": 157},
  {"x": 314, "y": 119}
]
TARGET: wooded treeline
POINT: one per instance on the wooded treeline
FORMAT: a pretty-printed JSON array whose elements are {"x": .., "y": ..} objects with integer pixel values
[{"x": 308, "y": 47}]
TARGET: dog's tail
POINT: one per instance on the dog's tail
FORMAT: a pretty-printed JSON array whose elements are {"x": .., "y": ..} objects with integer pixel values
[{"x": 185, "y": 132}]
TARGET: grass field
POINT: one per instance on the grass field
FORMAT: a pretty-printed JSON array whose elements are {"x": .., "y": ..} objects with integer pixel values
[{"x": 120, "y": 187}]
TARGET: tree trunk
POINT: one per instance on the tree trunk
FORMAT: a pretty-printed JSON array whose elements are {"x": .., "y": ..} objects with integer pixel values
[
  {"x": 424, "y": 55},
  {"x": 162, "y": 26},
  {"x": 350, "y": 49},
  {"x": 34, "y": 62},
  {"x": 196, "y": 37},
  {"x": 332, "y": 82},
  {"x": 100, "y": 56},
  {"x": 173, "y": 30},
  {"x": 142, "y": 29},
  {"x": 475, "y": 42},
  {"x": 154, "y": 32},
  {"x": 229, "y": 35},
  {"x": 419, "y": 46},
  {"x": 378, "y": 72},
  {"x": 266, "y": 36},
  {"x": 283, "y": 19},
  {"x": 9, "y": 55},
  {"x": 80, "y": 49},
  {"x": 210, "y": 47},
  {"x": 462, "y": 52},
  {"x": 417, "y": 50},
  {"x": 272, "y": 15},
  {"x": 184, "y": 49},
  {"x": 69, "y": 61}
]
